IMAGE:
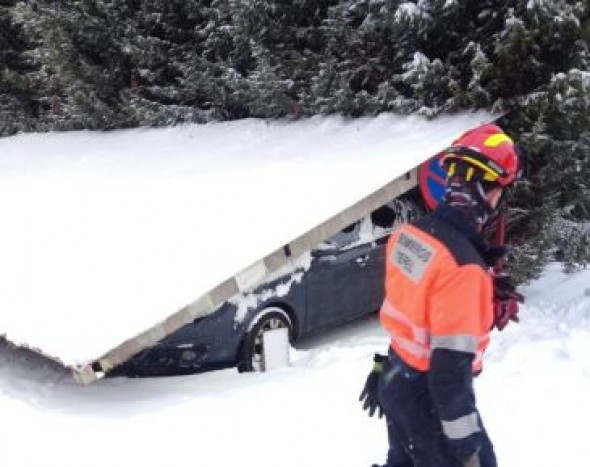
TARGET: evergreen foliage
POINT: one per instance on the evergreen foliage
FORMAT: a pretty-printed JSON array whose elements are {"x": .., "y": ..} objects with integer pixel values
[
  {"x": 551, "y": 215},
  {"x": 17, "y": 101},
  {"x": 102, "y": 64}
]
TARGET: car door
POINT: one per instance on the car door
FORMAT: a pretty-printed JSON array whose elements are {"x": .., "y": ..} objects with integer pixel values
[{"x": 335, "y": 282}]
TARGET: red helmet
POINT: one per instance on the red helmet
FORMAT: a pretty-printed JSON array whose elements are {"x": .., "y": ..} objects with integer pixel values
[{"x": 489, "y": 149}]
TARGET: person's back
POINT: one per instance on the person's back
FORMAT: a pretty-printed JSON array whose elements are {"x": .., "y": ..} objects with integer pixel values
[{"x": 438, "y": 272}]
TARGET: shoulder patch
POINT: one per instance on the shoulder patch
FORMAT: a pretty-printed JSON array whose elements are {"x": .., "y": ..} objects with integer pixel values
[{"x": 412, "y": 256}]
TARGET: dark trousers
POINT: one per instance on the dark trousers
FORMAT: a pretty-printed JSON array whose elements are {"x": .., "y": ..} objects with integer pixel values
[{"x": 415, "y": 434}]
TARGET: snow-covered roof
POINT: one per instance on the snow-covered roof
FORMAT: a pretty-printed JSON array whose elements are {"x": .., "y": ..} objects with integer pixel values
[{"x": 112, "y": 240}]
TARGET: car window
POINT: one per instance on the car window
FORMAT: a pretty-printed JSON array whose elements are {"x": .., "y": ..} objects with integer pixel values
[
  {"x": 386, "y": 218},
  {"x": 380, "y": 223},
  {"x": 346, "y": 236}
]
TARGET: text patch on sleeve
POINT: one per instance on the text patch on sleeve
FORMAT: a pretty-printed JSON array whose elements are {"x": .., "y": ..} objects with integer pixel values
[{"x": 412, "y": 256}]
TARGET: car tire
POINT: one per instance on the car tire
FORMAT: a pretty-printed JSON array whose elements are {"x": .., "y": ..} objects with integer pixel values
[{"x": 251, "y": 350}]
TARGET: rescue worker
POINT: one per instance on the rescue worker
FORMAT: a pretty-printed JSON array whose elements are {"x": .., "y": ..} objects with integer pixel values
[{"x": 439, "y": 309}]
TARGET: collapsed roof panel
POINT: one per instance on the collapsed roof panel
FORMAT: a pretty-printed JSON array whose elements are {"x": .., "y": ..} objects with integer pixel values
[{"x": 112, "y": 240}]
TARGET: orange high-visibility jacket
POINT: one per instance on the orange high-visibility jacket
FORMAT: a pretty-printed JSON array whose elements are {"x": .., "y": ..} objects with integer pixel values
[{"x": 438, "y": 294}]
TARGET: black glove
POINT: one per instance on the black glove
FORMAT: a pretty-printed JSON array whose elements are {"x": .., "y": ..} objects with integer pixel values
[{"x": 370, "y": 393}]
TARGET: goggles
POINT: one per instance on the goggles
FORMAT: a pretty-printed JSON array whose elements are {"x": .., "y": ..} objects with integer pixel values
[{"x": 490, "y": 170}]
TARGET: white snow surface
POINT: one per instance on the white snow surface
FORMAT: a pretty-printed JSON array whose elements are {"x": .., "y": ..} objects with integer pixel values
[
  {"x": 533, "y": 395},
  {"x": 104, "y": 235}
]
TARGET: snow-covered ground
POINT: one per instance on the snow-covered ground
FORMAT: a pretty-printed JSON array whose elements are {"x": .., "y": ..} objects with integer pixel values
[{"x": 534, "y": 396}]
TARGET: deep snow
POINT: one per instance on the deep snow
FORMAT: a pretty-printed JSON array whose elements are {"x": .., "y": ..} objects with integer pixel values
[{"x": 533, "y": 395}]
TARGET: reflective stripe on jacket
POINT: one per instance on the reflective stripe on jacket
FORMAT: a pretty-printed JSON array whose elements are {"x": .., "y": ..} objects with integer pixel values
[{"x": 434, "y": 299}]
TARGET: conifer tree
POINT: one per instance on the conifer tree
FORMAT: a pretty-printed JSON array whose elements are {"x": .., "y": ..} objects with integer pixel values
[
  {"x": 80, "y": 65},
  {"x": 287, "y": 43},
  {"x": 551, "y": 214},
  {"x": 18, "y": 108},
  {"x": 160, "y": 38}
]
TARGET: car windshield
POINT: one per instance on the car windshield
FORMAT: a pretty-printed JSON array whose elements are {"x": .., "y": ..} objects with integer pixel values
[
  {"x": 380, "y": 223},
  {"x": 346, "y": 236},
  {"x": 358, "y": 233}
]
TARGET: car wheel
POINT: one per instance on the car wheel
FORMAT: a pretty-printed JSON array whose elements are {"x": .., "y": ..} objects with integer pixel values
[{"x": 251, "y": 356}]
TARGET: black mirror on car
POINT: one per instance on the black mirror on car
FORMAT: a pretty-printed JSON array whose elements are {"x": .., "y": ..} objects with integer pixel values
[{"x": 383, "y": 217}]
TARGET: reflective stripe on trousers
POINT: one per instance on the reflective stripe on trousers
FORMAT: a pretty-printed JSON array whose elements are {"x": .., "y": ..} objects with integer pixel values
[{"x": 461, "y": 427}]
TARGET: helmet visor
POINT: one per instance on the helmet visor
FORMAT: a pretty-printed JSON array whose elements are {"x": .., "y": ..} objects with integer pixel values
[{"x": 492, "y": 172}]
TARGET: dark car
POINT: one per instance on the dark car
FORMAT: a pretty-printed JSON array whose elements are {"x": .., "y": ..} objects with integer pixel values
[{"x": 337, "y": 282}]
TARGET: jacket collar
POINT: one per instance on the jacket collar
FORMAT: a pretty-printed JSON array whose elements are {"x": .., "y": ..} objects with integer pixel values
[
  {"x": 468, "y": 227},
  {"x": 459, "y": 221}
]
